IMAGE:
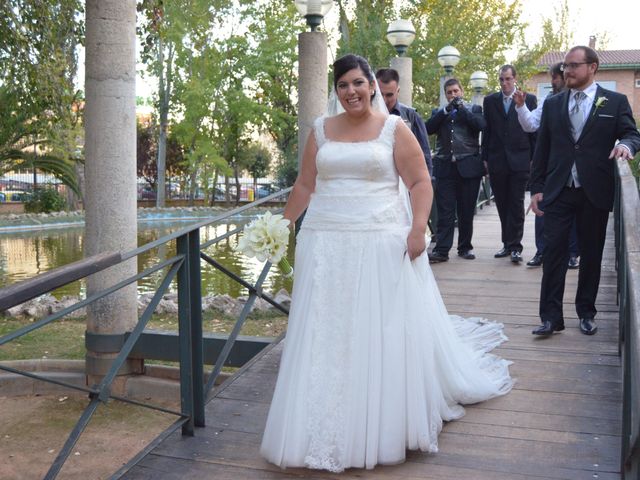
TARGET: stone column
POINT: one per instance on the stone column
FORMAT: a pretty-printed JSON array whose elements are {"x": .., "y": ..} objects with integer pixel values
[
  {"x": 312, "y": 83},
  {"x": 110, "y": 171},
  {"x": 404, "y": 66}
]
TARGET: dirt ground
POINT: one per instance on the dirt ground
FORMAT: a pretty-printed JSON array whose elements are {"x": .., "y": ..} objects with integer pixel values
[{"x": 33, "y": 429}]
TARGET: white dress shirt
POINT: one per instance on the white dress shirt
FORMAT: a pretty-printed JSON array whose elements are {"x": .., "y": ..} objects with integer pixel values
[{"x": 530, "y": 120}]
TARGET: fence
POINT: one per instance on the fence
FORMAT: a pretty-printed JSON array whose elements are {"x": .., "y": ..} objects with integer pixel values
[{"x": 627, "y": 220}]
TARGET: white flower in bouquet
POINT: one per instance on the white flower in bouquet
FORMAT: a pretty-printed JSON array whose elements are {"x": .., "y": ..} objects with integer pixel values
[{"x": 267, "y": 238}]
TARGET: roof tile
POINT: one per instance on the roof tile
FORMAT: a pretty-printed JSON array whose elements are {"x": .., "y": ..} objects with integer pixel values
[{"x": 607, "y": 57}]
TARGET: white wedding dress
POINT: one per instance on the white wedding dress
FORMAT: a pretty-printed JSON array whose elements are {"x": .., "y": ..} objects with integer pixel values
[{"x": 372, "y": 362}]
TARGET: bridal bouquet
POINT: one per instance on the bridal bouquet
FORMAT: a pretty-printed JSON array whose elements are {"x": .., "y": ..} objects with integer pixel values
[{"x": 267, "y": 238}]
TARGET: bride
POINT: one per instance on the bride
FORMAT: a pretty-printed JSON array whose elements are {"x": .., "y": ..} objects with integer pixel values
[{"x": 372, "y": 362}]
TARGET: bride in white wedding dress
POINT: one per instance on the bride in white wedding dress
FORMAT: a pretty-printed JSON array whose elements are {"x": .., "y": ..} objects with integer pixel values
[{"x": 372, "y": 362}]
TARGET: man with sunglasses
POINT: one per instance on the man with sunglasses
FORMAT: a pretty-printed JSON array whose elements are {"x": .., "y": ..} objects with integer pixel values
[{"x": 573, "y": 172}]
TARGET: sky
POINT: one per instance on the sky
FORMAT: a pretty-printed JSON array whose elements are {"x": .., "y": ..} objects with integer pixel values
[{"x": 618, "y": 18}]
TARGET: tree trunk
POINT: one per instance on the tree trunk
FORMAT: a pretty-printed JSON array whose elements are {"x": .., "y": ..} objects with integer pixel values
[{"x": 164, "y": 90}]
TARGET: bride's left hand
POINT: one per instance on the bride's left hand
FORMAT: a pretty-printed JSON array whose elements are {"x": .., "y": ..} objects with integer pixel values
[{"x": 416, "y": 244}]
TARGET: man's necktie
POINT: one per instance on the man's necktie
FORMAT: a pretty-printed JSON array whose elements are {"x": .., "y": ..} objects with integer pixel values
[
  {"x": 507, "y": 104},
  {"x": 577, "y": 121},
  {"x": 576, "y": 116}
]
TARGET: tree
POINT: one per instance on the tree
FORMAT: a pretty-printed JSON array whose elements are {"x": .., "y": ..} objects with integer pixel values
[
  {"x": 172, "y": 30},
  {"x": 255, "y": 159},
  {"x": 363, "y": 28},
  {"x": 146, "y": 154},
  {"x": 482, "y": 30},
  {"x": 273, "y": 27},
  {"x": 37, "y": 64}
]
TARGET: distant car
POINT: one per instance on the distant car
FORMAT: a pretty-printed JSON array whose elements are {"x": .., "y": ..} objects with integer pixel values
[
  {"x": 16, "y": 196},
  {"x": 146, "y": 193},
  {"x": 263, "y": 191},
  {"x": 3, "y": 197}
]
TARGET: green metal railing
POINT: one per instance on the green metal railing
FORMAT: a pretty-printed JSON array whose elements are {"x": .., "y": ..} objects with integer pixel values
[
  {"x": 627, "y": 239},
  {"x": 185, "y": 267}
]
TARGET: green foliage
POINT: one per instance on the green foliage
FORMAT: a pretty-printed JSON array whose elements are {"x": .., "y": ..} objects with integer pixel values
[
  {"x": 363, "y": 28},
  {"x": 255, "y": 159},
  {"x": 286, "y": 171},
  {"x": 37, "y": 64},
  {"x": 482, "y": 30},
  {"x": 45, "y": 200},
  {"x": 147, "y": 152}
]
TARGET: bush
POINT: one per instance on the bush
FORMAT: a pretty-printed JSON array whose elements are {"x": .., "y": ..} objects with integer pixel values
[{"x": 45, "y": 200}]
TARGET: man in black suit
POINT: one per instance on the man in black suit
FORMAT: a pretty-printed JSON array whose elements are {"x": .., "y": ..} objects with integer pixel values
[
  {"x": 573, "y": 172},
  {"x": 507, "y": 151},
  {"x": 457, "y": 169}
]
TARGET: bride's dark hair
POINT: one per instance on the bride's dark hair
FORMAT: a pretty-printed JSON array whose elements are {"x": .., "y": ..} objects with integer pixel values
[{"x": 349, "y": 62}]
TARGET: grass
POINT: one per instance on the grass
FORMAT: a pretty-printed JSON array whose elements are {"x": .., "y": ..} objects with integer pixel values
[{"x": 64, "y": 338}]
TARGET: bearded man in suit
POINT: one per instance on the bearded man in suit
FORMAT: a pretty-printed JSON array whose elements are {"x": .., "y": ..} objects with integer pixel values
[
  {"x": 573, "y": 172},
  {"x": 507, "y": 150}
]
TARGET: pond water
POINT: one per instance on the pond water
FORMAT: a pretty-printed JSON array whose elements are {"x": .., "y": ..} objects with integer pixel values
[{"x": 26, "y": 254}]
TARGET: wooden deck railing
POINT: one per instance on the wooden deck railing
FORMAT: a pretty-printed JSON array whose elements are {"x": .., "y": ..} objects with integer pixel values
[{"x": 627, "y": 228}]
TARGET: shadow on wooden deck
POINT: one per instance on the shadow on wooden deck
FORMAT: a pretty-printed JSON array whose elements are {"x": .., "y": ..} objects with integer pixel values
[{"x": 561, "y": 421}]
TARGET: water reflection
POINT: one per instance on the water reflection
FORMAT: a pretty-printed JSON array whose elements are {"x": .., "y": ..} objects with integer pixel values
[{"x": 26, "y": 254}]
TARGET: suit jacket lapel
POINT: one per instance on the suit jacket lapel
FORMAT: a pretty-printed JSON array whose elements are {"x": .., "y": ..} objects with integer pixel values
[
  {"x": 591, "y": 118},
  {"x": 497, "y": 101}
]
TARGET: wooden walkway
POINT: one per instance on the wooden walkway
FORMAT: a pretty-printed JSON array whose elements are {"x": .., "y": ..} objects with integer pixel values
[{"x": 562, "y": 420}]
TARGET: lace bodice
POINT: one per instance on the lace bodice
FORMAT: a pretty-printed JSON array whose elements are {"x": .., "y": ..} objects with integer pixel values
[{"x": 357, "y": 186}]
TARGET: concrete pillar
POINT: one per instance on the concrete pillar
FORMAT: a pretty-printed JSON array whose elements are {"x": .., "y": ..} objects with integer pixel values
[
  {"x": 312, "y": 83},
  {"x": 404, "y": 66},
  {"x": 110, "y": 170}
]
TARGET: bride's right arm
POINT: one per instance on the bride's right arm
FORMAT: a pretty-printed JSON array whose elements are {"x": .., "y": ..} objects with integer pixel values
[{"x": 305, "y": 183}]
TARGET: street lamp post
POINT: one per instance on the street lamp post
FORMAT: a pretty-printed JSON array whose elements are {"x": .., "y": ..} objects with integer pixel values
[
  {"x": 479, "y": 81},
  {"x": 401, "y": 34},
  {"x": 448, "y": 58},
  {"x": 312, "y": 69}
]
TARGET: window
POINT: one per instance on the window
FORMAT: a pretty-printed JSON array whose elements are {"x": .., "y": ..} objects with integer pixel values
[{"x": 608, "y": 84}]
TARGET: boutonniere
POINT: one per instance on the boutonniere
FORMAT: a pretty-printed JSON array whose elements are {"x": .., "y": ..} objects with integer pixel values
[{"x": 600, "y": 102}]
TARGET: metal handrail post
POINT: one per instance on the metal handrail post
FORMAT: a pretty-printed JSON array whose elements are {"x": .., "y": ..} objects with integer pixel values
[
  {"x": 197, "y": 359},
  {"x": 185, "y": 336}
]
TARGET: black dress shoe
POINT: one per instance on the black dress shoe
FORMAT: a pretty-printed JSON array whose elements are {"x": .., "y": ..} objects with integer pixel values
[
  {"x": 468, "y": 255},
  {"x": 547, "y": 328},
  {"x": 516, "y": 257},
  {"x": 574, "y": 263},
  {"x": 502, "y": 253},
  {"x": 437, "y": 257},
  {"x": 536, "y": 261},
  {"x": 588, "y": 326}
]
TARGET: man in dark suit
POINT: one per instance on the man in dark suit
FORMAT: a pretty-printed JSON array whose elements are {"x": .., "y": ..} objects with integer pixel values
[
  {"x": 507, "y": 151},
  {"x": 457, "y": 169},
  {"x": 573, "y": 172},
  {"x": 389, "y": 81}
]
